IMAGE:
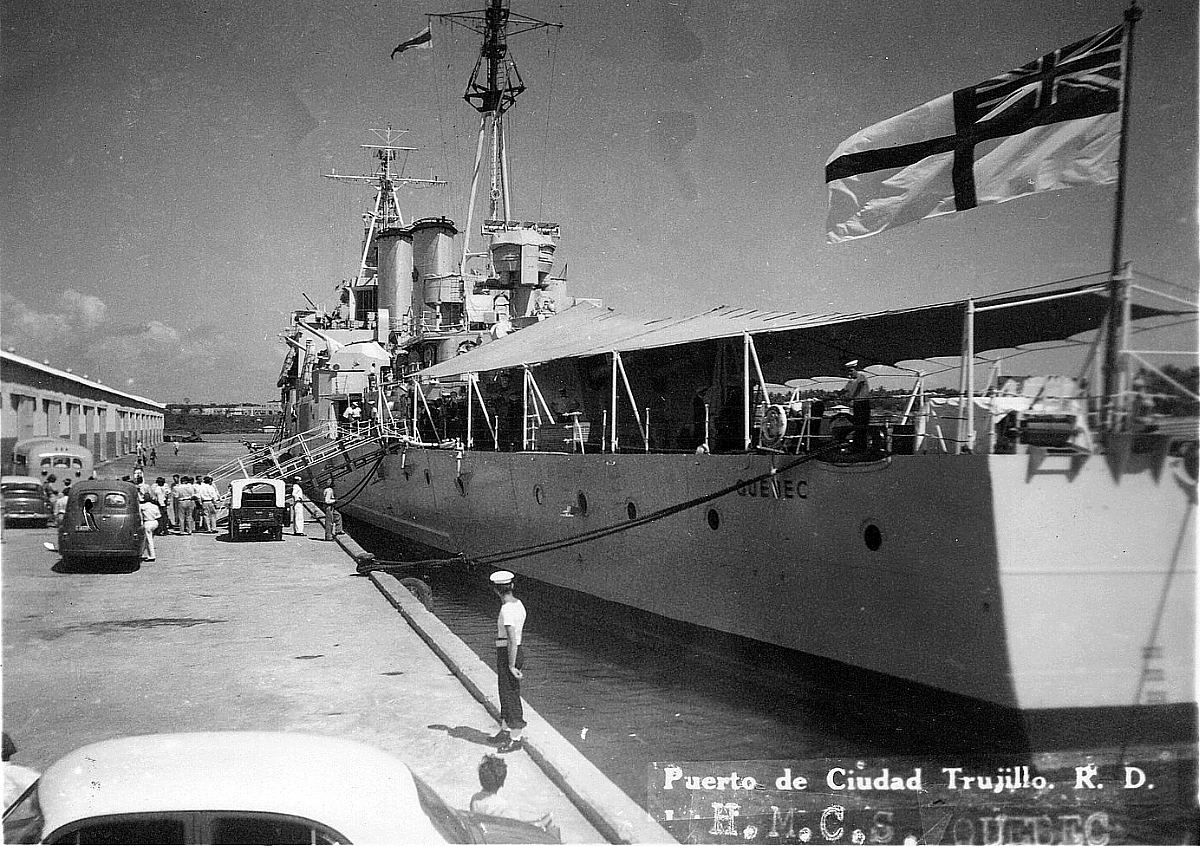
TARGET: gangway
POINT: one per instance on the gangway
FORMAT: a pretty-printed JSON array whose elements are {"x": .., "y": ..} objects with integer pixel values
[{"x": 327, "y": 449}]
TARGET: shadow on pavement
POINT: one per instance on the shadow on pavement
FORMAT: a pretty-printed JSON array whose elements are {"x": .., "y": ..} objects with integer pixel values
[
  {"x": 96, "y": 566},
  {"x": 473, "y": 735}
]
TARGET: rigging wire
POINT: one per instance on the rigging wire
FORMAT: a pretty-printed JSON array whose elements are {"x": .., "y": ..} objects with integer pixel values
[
  {"x": 1190, "y": 290},
  {"x": 552, "y": 52}
]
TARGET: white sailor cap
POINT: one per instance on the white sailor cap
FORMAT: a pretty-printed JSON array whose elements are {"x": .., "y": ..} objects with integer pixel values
[
  {"x": 501, "y": 578},
  {"x": 852, "y": 362}
]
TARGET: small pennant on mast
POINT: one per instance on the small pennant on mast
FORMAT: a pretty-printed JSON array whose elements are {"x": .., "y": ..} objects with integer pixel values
[{"x": 423, "y": 40}]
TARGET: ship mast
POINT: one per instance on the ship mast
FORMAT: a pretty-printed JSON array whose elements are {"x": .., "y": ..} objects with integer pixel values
[
  {"x": 385, "y": 212},
  {"x": 494, "y": 86}
]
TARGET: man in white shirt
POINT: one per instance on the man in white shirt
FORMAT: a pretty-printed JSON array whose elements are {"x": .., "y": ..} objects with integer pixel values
[
  {"x": 208, "y": 502},
  {"x": 333, "y": 518},
  {"x": 160, "y": 496},
  {"x": 297, "y": 497},
  {"x": 510, "y": 625},
  {"x": 185, "y": 495}
]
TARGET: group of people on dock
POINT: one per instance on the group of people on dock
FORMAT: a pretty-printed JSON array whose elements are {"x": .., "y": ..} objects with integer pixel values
[{"x": 184, "y": 505}]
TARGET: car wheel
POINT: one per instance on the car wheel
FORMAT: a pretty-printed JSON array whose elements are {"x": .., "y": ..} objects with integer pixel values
[{"x": 278, "y": 533}]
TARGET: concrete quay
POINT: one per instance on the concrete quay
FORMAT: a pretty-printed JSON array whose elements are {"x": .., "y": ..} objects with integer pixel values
[{"x": 268, "y": 636}]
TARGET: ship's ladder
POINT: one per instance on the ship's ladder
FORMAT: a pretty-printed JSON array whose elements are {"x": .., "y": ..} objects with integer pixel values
[{"x": 327, "y": 449}]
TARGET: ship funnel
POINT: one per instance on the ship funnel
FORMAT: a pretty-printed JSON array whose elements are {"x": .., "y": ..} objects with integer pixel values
[
  {"x": 522, "y": 259},
  {"x": 395, "y": 249},
  {"x": 437, "y": 293}
]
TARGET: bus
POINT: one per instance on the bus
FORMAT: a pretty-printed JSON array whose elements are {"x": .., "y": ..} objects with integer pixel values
[{"x": 43, "y": 456}]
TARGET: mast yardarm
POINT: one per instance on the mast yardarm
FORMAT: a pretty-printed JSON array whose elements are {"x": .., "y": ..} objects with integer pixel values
[{"x": 494, "y": 86}]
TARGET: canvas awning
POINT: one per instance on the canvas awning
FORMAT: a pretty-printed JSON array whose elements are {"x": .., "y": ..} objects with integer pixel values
[{"x": 795, "y": 343}]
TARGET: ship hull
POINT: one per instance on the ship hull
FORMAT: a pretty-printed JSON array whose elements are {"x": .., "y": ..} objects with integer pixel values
[{"x": 1029, "y": 581}]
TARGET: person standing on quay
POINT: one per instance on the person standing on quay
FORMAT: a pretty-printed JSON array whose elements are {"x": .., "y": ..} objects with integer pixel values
[
  {"x": 60, "y": 508},
  {"x": 160, "y": 497},
  {"x": 510, "y": 658},
  {"x": 333, "y": 518},
  {"x": 208, "y": 501},
  {"x": 150, "y": 518},
  {"x": 185, "y": 495},
  {"x": 297, "y": 497},
  {"x": 173, "y": 504}
]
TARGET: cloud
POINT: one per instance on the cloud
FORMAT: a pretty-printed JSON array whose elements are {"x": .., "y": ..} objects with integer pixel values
[
  {"x": 153, "y": 358},
  {"x": 28, "y": 328},
  {"x": 87, "y": 310}
]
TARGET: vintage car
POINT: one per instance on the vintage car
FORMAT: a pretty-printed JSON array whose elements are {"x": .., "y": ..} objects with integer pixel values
[
  {"x": 243, "y": 787},
  {"x": 102, "y": 522},
  {"x": 24, "y": 501},
  {"x": 256, "y": 507}
]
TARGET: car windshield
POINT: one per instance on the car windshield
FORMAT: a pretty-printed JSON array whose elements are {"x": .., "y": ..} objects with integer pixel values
[
  {"x": 445, "y": 820},
  {"x": 23, "y": 820}
]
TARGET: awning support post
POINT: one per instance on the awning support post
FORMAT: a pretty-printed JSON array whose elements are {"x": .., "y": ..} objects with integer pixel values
[
  {"x": 745, "y": 391},
  {"x": 470, "y": 415},
  {"x": 612, "y": 417},
  {"x": 429, "y": 414},
  {"x": 918, "y": 390},
  {"x": 750, "y": 353},
  {"x": 966, "y": 401},
  {"x": 473, "y": 386},
  {"x": 525, "y": 410},
  {"x": 645, "y": 430},
  {"x": 537, "y": 391},
  {"x": 416, "y": 389}
]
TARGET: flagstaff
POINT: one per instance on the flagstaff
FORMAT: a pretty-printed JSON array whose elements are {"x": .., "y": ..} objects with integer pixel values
[{"x": 1117, "y": 290}]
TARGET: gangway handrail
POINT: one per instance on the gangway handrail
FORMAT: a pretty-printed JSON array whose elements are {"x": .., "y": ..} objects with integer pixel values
[{"x": 317, "y": 447}]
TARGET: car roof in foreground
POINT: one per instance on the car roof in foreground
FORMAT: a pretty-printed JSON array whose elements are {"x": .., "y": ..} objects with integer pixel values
[
  {"x": 363, "y": 793},
  {"x": 103, "y": 485}
]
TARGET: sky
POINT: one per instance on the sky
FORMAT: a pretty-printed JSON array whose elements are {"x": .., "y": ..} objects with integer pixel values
[{"x": 164, "y": 207}]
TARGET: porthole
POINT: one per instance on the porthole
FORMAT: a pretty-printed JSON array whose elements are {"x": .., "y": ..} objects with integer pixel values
[
  {"x": 538, "y": 495},
  {"x": 631, "y": 510},
  {"x": 581, "y": 504},
  {"x": 872, "y": 537},
  {"x": 428, "y": 477},
  {"x": 714, "y": 519}
]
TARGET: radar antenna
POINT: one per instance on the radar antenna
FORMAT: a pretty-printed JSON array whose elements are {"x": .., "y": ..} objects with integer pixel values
[{"x": 385, "y": 212}]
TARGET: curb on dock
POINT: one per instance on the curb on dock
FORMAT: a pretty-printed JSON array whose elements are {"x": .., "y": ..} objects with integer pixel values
[{"x": 602, "y": 803}]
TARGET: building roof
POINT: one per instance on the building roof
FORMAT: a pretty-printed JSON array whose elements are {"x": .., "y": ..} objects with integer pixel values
[{"x": 63, "y": 374}]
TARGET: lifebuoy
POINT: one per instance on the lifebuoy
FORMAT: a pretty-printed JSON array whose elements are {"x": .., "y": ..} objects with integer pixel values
[{"x": 773, "y": 426}]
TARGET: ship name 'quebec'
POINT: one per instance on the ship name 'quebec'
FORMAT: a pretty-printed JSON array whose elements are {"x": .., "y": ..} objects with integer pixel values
[{"x": 774, "y": 488}]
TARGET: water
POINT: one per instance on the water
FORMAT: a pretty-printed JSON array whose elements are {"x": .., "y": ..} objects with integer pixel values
[{"x": 628, "y": 689}]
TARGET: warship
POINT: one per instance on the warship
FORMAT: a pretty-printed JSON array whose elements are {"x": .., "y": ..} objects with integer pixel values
[{"x": 1028, "y": 543}]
